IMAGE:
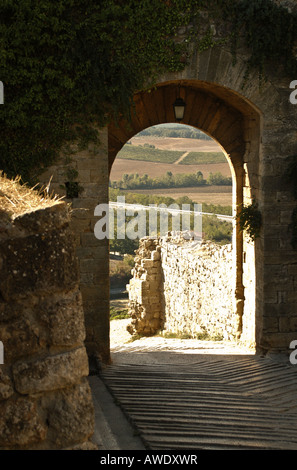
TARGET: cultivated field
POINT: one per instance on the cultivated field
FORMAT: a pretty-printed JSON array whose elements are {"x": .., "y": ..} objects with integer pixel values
[
  {"x": 213, "y": 194},
  {"x": 158, "y": 169},
  {"x": 177, "y": 143}
]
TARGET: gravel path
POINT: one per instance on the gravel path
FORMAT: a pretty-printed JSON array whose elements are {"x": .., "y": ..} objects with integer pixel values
[
  {"x": 118, "y": 333},
  {"x": 121, "y": 345}
]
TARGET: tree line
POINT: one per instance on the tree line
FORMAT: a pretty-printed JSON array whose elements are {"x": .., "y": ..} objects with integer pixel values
[
  {"x": 181, "y": 131},
  {"x": 169, "y": 180}
]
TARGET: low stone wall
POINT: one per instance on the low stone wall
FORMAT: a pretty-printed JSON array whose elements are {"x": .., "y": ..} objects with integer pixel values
[
  {"x": 45, "y": 399},
  {"x": 199, "y": 289},
  {"x": 184, "y": 287},
  {"x": 146, "y": 306}
]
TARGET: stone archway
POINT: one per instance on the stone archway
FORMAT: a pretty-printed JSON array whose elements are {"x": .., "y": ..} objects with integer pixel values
[
  {"x": 256, "y": 127},
  {"x": 228, "y": 118}
]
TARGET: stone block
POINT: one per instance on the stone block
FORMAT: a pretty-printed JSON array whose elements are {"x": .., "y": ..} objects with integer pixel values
[
  {"x": 6, "y": 387},
  {"x": 94, "y": 190},
  {"x": 21, "y": 425},
  {"x": 93, "y": 266},
  {"x": 21, "y": 337},
  {"x": 30, "y": 264},
  {"x": 84, "y": 176},
  {"x": 71, "y": 416},
  {"x": 278, "y": 341},
  {"x": 99, "y": 176},
  {"x": 63, "y": 319},
  {"x": 83, "y": 224},
  {"x": 85, "y": 204},
  {"x": 96, "y": 292},
  {"x": 45, "y": 220},
  {"x": 156, "y": 255},
  {"x": 92, "y": 252},
  {"x": 9, "y": 311},
  {"x": 89, "y": 239},
  {"x": 149, "y": 263},
  {"x": 89, "y": 163},
  {"x": 51, "y": 372}
]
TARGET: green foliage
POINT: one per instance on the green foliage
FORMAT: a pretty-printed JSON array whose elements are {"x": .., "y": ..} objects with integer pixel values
[
  {"x": 180, "y": 180},
  {"x": 123, "y": 246},
  {"x": 217, "y": 179},
  {"x": 135, "y": 198},
  {"x": 216, "y": 230},
  {"x": 250, "y": 220},
  {"x": 146, "y": 199},
  {"x": 202, "y": 336},
  {"x": 118, "y": 314},
  {"x": 134, "y": 181},
  {"x": 216, "y": 209},
  {"x": 72, "y": 187},
  {"x": 149, "y": 154},
  {"x": 180, "y": 131},
  {"x": 269, "y": 32},
  {"x": 68, "y": 65},
  {"x": 213, "y": 229}
]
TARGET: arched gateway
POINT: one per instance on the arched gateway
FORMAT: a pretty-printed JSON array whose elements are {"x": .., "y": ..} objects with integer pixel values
[{"x": 256, "y": 129}]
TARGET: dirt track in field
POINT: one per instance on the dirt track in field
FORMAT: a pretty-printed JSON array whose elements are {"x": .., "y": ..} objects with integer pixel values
[
  {"x": 153, "y": 170},
  {"x": 122, "y": 166},
  {"x": 216, "y": 195}
]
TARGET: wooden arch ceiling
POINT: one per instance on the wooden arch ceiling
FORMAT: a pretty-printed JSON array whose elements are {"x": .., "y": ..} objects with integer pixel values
[{"x": 215, "y": 110}]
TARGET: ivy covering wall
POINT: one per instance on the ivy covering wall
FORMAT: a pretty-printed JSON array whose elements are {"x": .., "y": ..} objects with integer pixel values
[{"x": 70, "y": 64}]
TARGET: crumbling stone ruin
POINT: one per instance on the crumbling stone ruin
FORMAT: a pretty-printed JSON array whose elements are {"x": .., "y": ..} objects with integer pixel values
[
  {"x": 146, "y": 290},
  {"x": 183, "y": 286}
]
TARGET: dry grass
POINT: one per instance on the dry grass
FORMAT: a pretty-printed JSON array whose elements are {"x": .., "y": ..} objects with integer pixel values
[{"x": 17, "y": 199}]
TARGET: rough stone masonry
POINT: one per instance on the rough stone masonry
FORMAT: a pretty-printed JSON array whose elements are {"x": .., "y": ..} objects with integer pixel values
[
  {"x": 45, "y": 399},
  {"x": 184, "y": 287}
]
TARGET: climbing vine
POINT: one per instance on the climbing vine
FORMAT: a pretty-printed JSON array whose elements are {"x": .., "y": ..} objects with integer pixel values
[
  {"x": 250, "y": 220},
  {"x": 269, "y": 32},
  {"x": 72, "y": 65}
]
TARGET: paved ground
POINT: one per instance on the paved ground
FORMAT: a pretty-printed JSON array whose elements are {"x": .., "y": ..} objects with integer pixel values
[{"x": 163, "y": 394}]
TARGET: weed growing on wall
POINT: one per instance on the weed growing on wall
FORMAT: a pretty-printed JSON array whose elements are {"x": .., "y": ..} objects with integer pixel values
[{"x": 250, "y": 220}]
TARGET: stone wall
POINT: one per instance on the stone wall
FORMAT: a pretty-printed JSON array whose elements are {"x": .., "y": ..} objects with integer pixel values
[
  {"x": 256, "y": 127},
  {"x": 184, "y": 287},
  {"x": 146, "y": 305},
  {"x": 88, "y": 168},
  {"x": 45, "y": 399}
]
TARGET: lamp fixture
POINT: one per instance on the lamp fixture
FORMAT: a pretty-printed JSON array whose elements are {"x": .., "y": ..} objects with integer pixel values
[{"x": 179, "y": 109}]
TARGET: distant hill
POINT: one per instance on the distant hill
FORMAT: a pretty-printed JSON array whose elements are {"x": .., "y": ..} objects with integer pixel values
[{"x": 174, "y": 130}]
